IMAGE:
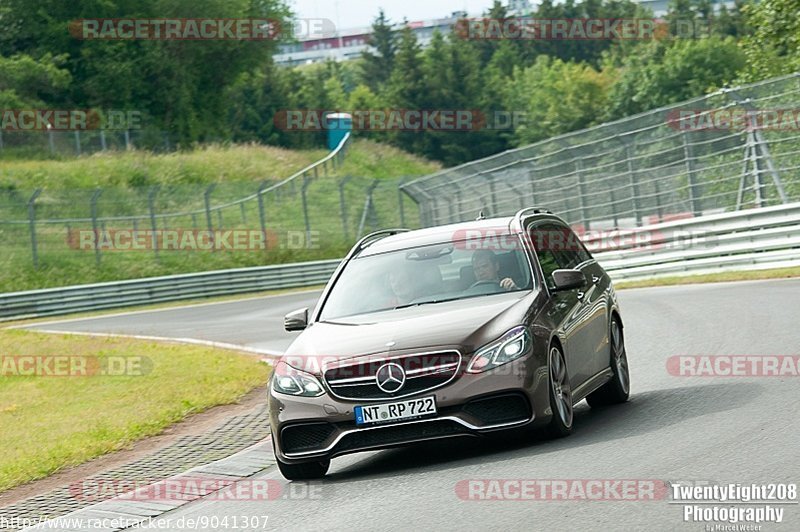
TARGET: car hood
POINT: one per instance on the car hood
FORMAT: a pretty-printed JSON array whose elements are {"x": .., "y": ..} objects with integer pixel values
[{"x": 462, "y": 324}]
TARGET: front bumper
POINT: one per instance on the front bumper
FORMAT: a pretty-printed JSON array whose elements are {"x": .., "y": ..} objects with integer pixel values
[{"x": 513, "y": 395}]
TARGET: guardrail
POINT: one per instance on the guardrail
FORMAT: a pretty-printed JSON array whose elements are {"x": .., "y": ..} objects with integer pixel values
[
  {"x": 741, "y": 240},
  {"x": 84, "y": 298},
  {"x": 750, "y": 239}
]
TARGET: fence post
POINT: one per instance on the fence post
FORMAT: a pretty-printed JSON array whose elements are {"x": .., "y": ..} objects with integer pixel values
[
  {"x": 761, "y": 145},
  {"x": 343, "y": 206},
  {"x": 244, "y": 215},
  {"x": 1, "y": 139},
  {"x": 637, "y": 212},
  {"x": 32, "y": 222},
  {"x": 262, "y": 217},
  {"x": 533, "y": 188},
  {"x": 77, "y": 142},
  {"x": 493, "y": 194},
  {"x": 303, "y": 189},
  {"x": 694, "y": 200},
  {"x": 209, "y": 224},
  {"x": 400, "y": 203},
  {"x": 93, "y": 208},
  {"x": 367, "y": 207},
  {"x": 659, "y": 209},
  {"x": 614, "y": 208},
  {"x": 582, "y": 194},
  {"x": 151, "y": 194},
  {"x": 127, "y": 140},
  {"x": 50, "y": 139},
  {"x": 103, "y": 146}
]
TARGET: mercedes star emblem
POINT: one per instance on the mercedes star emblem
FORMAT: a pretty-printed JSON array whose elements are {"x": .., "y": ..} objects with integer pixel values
[{"x": 390, "y": 377}]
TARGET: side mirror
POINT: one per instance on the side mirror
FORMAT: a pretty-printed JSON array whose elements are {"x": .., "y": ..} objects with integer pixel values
[
  {"x": 296, "y": 321},
  {"x": 568, "y": 279}
]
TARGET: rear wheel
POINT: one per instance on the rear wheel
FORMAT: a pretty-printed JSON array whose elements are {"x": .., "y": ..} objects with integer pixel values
[
  {"x": 560, "y": 395},
  {"x": 617, "y": 390}
]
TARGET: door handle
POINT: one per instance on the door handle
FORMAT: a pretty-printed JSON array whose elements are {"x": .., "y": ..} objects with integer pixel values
[
  {"x": 595, "y": 279},
  {"x": 581, "y": 294}
]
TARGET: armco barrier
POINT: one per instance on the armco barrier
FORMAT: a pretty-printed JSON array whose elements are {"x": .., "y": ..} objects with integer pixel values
[
  {"x": 56, "y": 301},
  {"x": 741, "y": 240}
]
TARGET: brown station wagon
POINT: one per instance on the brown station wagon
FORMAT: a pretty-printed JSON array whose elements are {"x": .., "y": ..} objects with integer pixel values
[{"x": 458, "y": 330}]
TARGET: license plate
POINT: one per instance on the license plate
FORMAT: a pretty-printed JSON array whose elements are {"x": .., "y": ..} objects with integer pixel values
[{"x": 387, "y": 412}]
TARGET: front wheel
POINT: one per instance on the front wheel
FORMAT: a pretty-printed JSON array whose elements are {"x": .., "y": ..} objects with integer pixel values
[
  {"x": 618, "y": 389},
  {"x": 560, "y": 395},
  {"x": 304, "y": 470}
]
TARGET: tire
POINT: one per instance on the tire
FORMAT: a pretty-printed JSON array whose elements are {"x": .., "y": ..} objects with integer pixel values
[
  {"x": 303, "y": 470},
  {"x": 560, "y": 394},
  {"x": 618, "y": 389}
]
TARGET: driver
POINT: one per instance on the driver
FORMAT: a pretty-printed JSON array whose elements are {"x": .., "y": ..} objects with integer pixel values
[{"x": 487, "y": 268}]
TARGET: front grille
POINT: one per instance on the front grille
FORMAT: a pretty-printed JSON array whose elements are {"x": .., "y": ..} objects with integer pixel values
[
  {"x": 505, "y": 408},
  {"x": 305, "y": 437},
  {"x": 394, "y": 434},
  {"x": 422, "y": 372}
]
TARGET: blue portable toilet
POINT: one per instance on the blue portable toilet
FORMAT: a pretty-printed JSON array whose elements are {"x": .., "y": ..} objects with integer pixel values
[{"x": 338, "y": 125}]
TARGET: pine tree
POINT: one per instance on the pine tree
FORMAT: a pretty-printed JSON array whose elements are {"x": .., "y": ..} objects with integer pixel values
[{"x": 377, "y": 67}]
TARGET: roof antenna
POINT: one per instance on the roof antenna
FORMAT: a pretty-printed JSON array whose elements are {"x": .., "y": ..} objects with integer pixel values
[{"x": 481, "y": 216}]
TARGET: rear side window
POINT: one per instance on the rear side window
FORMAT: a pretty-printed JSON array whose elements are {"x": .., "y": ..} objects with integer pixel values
[{"x": 557, "y": 247}]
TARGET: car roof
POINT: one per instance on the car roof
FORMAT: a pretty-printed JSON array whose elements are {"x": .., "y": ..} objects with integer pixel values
[
  {"x": 437, "y": 235},
  {"x": 446, "y": 233}
]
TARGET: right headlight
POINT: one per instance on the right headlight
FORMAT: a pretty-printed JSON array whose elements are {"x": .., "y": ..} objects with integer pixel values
[
  {"x": 511, "y": 346},
  {"x": 291, "y": 381}
]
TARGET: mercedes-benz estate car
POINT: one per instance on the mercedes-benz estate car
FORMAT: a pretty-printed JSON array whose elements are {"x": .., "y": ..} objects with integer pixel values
[{"x": 457, "y": 330}]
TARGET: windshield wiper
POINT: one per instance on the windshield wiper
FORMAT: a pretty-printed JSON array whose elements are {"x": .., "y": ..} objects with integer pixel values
[{"x": 426, "y": 302}]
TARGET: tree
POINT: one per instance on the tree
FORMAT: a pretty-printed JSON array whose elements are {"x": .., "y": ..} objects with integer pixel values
[
  {"x": 557, "y": 97},
  {"x": 406, "y": 88},
  {"x": 669, "y": 72},
  {"x": 773, "y": 48},
  {"x": 377, "y": 67},
  {"x": 27, "y": 83}
]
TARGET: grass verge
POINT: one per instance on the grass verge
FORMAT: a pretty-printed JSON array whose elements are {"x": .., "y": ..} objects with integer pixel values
[
  {"x": 53, "y": 422},
  {"x": 778, "y": 273}
]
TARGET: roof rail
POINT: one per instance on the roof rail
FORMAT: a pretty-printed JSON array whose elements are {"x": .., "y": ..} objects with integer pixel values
[
  {"x": 530, "y": 210},
  {"x": 377, "y": 235}
]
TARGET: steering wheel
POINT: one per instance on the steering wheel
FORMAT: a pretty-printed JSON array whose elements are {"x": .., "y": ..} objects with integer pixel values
[{"x": 484, "y": 283}]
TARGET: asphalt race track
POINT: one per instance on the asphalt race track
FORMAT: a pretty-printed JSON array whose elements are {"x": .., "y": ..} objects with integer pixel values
[{"x": 678, "y": 429}]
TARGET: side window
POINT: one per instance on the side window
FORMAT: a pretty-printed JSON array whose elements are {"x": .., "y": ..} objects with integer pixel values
[
  {"x": 566, "y": 245},
  {"x": 547, "y": 259}
]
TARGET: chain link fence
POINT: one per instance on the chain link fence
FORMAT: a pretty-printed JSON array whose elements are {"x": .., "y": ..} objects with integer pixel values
[
  {"x": 128, "y": 232},
  {"x": 678, "y": 161}
]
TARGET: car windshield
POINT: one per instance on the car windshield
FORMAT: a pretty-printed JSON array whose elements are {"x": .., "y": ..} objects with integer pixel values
[{"x": 427, "y": 275}]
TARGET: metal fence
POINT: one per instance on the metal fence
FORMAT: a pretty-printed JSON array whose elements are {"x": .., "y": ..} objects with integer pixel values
[
  {"x": 313, "y": 213},
  {"x": 745, "y": 240},
  {"x": 643, "y": 169},
  {"x": 22, "y": 144}
]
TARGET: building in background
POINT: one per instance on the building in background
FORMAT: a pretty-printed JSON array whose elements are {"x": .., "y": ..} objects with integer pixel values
[{"x": 351, "y": 43}]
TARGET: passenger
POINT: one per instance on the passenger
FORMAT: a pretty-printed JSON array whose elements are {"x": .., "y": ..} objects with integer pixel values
[
  {"x": 401, "y": 283},
  {"x": 486, "y": 268}
]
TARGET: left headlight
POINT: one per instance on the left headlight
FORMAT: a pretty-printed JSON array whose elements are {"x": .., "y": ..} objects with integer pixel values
[
  {"x": 511, "y": 346},
  {"x": 291, "y": 381}
]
